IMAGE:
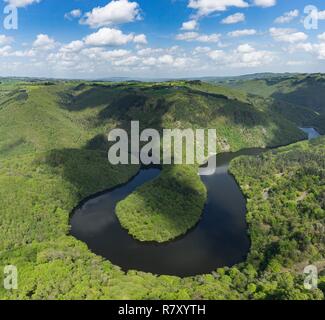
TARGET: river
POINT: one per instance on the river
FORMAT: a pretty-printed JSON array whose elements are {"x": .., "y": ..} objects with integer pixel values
[{"x": 219, "y": 239}]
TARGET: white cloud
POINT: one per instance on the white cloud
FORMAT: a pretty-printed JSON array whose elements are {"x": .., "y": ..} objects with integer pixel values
[
  {"x": 206, "y": 7},
  {"x": 5, "y": 51},
  {"x": 190, "y": 25},
  {"x": 217, "y": 55},
  {"x": 4, "y": 40},
  {"x": 234, "y": 18},
  {"x": 114, "y": 54},
  {"x": 243, "y": 56},
  {"x": 199, "y": 50},
  {"x": 129, "y": 61},
  {"x": 248, "y": 56},
  {"x": 73, "y": 46},
  {"x": 287, "y": 35},
  {"x": 108, "y": 37},
  {"x": 166, "y": 59},
  {"x": 242, "y": 33},
  {"x": 245, "y": 48},
  {"x": 287, "y": 17},
  {"x": 321, "y": 37},
  {"x": 140, "y": 39},
  {"x": 321, "y": 15},
  {"x": 195, "y": 36},
  {"x": 115, "y": 12},
  {"x": 113, "y": 37},
  {"x": 73, "y": 14},
  {"x": 320, "y": 50},
  {"x": 44, "y": 42},
  {"x": 265, "y": 3},
  {"x": 22, "y": 3},
  {"x": 302, "y": 46},
  {"x": 149, "y": 51},
  {"x": 26, "y": 53},
  {"x": 151, "y": 61}
]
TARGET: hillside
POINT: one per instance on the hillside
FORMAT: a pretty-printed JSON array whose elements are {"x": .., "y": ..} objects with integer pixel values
[
  {"x": 72, "y": 117},
  {"x": 301, "y": 93},
  {"x": 55, "y": 266},
  {"x": 45, "y": 116},
  {"x": 53, "y": 155}
]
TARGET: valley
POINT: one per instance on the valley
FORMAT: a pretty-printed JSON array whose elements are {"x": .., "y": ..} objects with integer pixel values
[{"x": 53, "y": 160}]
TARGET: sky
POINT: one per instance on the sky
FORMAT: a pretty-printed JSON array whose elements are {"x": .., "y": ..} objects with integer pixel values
[{"x": 96, "y": 39}]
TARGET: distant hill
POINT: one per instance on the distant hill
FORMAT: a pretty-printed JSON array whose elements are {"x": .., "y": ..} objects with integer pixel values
[{"x": 293, "y": 95}]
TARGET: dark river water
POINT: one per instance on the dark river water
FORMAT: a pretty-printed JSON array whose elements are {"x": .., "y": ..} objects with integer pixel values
[{"x": 219, "y": 239}]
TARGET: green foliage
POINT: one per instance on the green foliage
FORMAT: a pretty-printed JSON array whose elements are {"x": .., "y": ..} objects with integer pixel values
[
  {"x": 166, "y": 207},
  {"x": 53, "y": 154},
  {"x": 299, "y": 98},
  {"x": 286, "y": 213},
  {"x": 39, "y": 191}
]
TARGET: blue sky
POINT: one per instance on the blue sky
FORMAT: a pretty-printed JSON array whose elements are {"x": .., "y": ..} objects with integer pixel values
[{"x": 161, "y": 38}]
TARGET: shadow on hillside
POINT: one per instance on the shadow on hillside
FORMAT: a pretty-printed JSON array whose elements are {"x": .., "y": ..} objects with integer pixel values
[
  {"x": 308, "y": 94},
  {"x": 151, "y": 104},
  {"x": 87, "y": 170}
]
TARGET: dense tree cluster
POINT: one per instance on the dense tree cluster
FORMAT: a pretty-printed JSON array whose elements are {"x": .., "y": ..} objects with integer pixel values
[
  {"x": 166, "y": 207},
  {"x": 50, "y": 160}
]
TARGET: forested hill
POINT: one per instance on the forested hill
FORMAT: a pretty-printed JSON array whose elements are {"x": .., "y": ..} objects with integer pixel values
[
  {"x": 43, "y": 116},
  {"x": 53, "y": 154},
  {"x": 297, "y": 96}
]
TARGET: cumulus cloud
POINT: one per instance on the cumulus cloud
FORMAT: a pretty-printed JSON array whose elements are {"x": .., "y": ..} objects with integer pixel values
[
  {"x": 115, "y": 12},
  {"x": 73, "y": 46},
  {"x": 287, "y": 35},
  {"x": 321, "y": 15},
  {"x": 243, "y": 56},
  {"x": 5, "y": 40},
  {"x": 190, "y": 25},
  {"x": 140, "y": 39},
  {"x": 195, "y": 36},
  {"x": 206, "y": 7},
  {"x": 108, "y": 37},
  {"x": 200, "y": 50},
  {"x": 73, "y": 14},
  {"x": 114, "y": 54},
  {"x": 166, "y": 59},
  {"x": 287, "y": 17},
  {"x": 248, "y": 56},
  {"x": 217, "y": 55},
  {"x": 242, "y": 33},
  {"x": 318, "y": 49},
  {"x": 113, "y": 37},
  {"x": 44, "y": 42},
  {"x": 149, "y": 51},
  {"x": 234, "y": 18},
  {"x": 5, "y": 51},
  {"x": 22, "y": 3},
  {"x": 302, "y": 46},
  {"x": 265, "y": 3},
  {"x": 321, "y": 37}
]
